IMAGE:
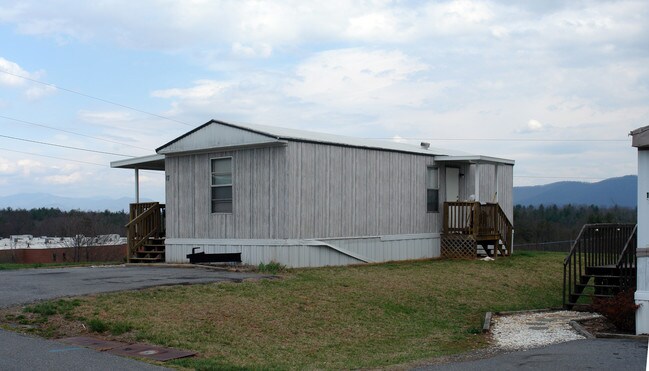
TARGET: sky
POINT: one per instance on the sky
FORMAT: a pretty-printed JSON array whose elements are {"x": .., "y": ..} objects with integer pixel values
[{"x": 554, "y": 85}]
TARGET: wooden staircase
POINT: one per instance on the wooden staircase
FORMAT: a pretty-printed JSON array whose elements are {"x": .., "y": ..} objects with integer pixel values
[
  {"x": 145, "y": 233},
  {"x": 471, "y": 226},
  {"x": 601, "y": 263}
]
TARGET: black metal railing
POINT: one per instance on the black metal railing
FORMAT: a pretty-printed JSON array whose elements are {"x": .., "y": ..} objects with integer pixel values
[{"x": 597, "y": 246}]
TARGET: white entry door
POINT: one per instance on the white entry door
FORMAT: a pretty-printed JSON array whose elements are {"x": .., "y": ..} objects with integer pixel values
[{"x": 452, "y": 184}]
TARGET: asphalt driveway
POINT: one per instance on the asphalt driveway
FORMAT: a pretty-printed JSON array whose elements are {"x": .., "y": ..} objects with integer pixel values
[
  {"x": 587, "y": 354},
  {"x": 30, "y": 285},
  {"x": 20, "y": 352}
]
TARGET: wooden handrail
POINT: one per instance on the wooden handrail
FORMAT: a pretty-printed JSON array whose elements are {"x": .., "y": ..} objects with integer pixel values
[
  {"x": 147, "y": 221},
  {"x": 478, "y": 220}
]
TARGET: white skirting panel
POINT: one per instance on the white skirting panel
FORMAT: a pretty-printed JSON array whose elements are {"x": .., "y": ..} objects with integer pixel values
[{"x": 312, "y": 252}]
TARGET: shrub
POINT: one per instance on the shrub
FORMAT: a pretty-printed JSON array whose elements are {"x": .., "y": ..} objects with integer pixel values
[
  {"x": 272, "y": 267},
  {"x": 620, "y": 310},
  {"x": 97, "y": 325}
]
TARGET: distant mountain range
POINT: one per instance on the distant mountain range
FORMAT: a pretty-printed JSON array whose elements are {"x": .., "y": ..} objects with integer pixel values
[
  {"x": 620, "y": 191},
  {"x": 38, "y": 200}
]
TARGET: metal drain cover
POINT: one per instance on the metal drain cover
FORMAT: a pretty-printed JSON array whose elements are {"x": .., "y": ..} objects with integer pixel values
[
  {"x": 151, "y": 352},
  {"x": 130, "y": 350}
]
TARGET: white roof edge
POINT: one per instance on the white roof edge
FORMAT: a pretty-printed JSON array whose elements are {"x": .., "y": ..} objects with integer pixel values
[
  {"x": 475, "y": 159},
  {"x": 341, "y": 140},
  {"x": 144, "y": 162}
]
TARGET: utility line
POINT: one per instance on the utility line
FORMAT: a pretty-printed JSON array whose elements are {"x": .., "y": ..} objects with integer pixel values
[
  {"x": 54, "y": 157},
  {"x": 508, "y": 139},
  {"x": 95, "y": 98},
  {"x": 70, "y": 132},
  {"x": 68, "y": 159},
  {"x": 62, "y": 146},
  {"x": 556, "y": 177}
]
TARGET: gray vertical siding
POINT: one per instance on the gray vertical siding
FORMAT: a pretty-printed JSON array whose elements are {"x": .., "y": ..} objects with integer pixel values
[
  {"x": 304, "y": 190},
  {"x": 308, "y": 190},
  {"x": 506, "y": 189},
  {"x": 344, "y": 192},
  {"x": 489, "y": 185},
  {"x": 259, "y": 192}
]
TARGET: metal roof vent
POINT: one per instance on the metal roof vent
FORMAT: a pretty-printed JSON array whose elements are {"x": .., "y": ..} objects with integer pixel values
[{"x": 425, "y": 145}]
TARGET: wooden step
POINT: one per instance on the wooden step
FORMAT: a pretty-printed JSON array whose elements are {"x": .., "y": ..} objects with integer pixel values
[
  {"x": 146, "y": 260},
  {"x": 584, "y": 285}
]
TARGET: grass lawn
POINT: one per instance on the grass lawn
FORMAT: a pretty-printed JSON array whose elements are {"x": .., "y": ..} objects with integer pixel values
[{"x": 325, "y": 318}]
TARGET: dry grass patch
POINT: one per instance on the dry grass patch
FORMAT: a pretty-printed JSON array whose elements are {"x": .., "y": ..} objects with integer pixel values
[{"x": 332, "y": 318}]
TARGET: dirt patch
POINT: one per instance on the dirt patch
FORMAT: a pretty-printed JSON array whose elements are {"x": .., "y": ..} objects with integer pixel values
[{"x": 601, "y": 325}]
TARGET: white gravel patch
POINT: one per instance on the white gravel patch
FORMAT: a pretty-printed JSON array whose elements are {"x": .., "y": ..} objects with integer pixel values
[{"x": 532, "y": 330}]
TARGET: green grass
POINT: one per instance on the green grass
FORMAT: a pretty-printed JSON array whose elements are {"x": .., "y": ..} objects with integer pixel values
[
  {"x": 49, "y": 308},
  {"x": 10, "y": 266},
  {"x": 272, "y": 268},
  {"x": 333, "y": 318}
]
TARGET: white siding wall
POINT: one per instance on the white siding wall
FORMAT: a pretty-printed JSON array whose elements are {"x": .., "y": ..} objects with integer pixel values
[
  {"x": 497, "y": 184},
  {"x": 312, "y": 253}
]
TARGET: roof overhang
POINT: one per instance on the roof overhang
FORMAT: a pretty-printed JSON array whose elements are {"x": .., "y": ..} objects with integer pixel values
[
  {"x": 478, "y": 159},
  {"x": 151, "y": 162},
  {"x": 640, "y": 137}
]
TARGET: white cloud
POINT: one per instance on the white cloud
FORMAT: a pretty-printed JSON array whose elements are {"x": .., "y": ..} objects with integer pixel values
[
  {"x": 7, "y": 167},
  {"x": 38, "y": 92},
  {"x": 359, "y": 77},
  {"x": 104, "y": 117},
  {"x": 13, "y": 75},
  {"x": 64, "y": 179},
  {"x": 534, "y": 125},
  {"x": 9, "y": 79},
  {"x": 27, "y": 167},
  {"x": 258, "y": 50},
  {"x": 201, "y": 91}
]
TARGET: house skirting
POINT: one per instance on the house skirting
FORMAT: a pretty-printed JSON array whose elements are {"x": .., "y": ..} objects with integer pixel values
[{"x": 299, "y": 253}]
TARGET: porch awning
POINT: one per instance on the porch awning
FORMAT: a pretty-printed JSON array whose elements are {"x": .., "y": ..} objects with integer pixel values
[
  {"x": 151, "y": 162},
  {"x": 477, "y": 159}
]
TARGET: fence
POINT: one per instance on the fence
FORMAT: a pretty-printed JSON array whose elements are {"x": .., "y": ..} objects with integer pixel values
[
  {"x": 110, "y": 253},
  {"x": 553, "y": 246}
]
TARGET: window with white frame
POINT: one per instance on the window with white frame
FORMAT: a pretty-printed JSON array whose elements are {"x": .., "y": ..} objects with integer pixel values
[
  {"x": 221, "y": 185},
  {"x": 432, "y": 190}
]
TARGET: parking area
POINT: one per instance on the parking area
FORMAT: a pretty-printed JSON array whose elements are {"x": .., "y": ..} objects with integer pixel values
[
  {"x": 30, "y": 285},
  {"x": 21, "y": 352}
]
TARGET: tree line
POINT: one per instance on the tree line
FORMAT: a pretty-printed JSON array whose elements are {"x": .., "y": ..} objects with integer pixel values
[
  {"x": 538, "y": 224},
  {"x": 533, "y": 224},
  {"x": 55, "y": 222}
]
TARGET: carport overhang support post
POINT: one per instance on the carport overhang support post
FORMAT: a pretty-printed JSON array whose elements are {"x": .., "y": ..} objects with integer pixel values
[{"x": 137, "y": 185}]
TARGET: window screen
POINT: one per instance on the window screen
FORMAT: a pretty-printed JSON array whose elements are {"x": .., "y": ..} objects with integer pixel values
[
  {"x": 432, "y": 190},
  {"x": 222, "y": 185}
]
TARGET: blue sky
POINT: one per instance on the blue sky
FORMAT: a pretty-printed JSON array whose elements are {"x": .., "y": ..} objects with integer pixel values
[{"x": 554, "y": 85}]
